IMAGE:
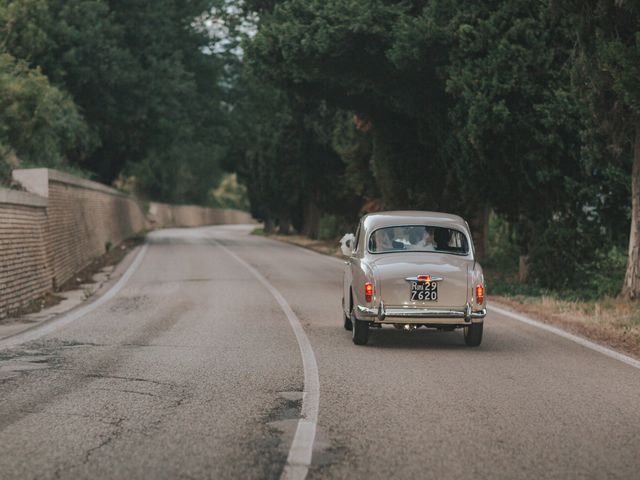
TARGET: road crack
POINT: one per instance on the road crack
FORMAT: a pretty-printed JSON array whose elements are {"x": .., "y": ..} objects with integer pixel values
[
  {"x": 131, "y": 379},
  {"x": 117, "y": 431}
]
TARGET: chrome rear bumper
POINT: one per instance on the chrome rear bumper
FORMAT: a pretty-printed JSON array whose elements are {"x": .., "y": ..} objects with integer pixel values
[{"x": 418, "y": 315}]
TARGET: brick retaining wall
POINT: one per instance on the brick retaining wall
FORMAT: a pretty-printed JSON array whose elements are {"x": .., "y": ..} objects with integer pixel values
[
  {"x": 62, "y": 223},
  {"x": 161, "y": 214},
  {"x": 24, "y": 270}
]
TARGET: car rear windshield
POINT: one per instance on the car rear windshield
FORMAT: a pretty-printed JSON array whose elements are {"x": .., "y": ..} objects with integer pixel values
[{"x": 418, "y": 238}]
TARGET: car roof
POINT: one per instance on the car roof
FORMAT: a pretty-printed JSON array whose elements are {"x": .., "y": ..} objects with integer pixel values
[{"x": 375, "y": 220}]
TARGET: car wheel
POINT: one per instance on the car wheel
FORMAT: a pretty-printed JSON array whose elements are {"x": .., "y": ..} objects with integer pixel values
[
  {"x": 473, "y": 334},
  {"x": 347, "y": 319},
  {"x": 360, "y": 331},
  {"x": 347, "y": 323}
]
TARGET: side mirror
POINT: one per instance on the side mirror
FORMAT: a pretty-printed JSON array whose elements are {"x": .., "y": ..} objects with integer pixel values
[{"x": 347, "y": 244}]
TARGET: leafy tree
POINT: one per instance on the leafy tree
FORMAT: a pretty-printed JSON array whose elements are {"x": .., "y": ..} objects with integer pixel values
[
  {"x": 468, "y": 107},
  {"x": 39, "y": 124},
  {"x": 514, "y": 115},
  {"x": 452, "y": 92},
  {"x": 23, "y": 27},
  {"x": 340, "y": 52},
  {"x": 284, "y": 155},
  {"x": 230, "y": 194},
  {"x": 607, "y": 71},
  {"x": 143, "y": 80},
  {"x": 265, "y": 151}
]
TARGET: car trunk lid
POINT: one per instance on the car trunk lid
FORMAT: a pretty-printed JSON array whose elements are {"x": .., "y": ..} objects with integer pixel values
[{"x": 391, "y": 270}]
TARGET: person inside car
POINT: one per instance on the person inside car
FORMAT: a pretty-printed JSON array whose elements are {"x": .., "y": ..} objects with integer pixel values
[
  {"x": 441, "y": 237},
  {"x": 420, "y": 238}
]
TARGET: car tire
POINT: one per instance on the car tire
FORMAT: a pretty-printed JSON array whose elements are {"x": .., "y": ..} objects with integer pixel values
[
  {"x": 473, "y": 334},
  {"x": 360, "y": 331},
  {"x": 347, "y": 318},
  {"x": 347, "y": 323}
]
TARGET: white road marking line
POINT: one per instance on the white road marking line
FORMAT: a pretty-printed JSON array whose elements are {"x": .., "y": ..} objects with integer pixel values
[
  {"x": 569, "y": 336},
  {"x": 299, "y": 458},
  {"x": 73, "y": 315},
  {"x": 324, "y": 256}
]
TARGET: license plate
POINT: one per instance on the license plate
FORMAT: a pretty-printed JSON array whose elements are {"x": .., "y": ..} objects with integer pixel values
[{"x": 424, "y": 291}]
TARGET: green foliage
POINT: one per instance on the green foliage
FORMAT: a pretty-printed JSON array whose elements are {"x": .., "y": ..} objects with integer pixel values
[
  {"x": 568, "y": 259},
  {"x": 502, "y": 252},
  {"x": 514, "y": 111},
  {"x": 151, "y": 95},
  {"x": 230, "y": 194},
  {"x": 451, "y": 93},
  {"x": 343, "y": 53},
  {"x": 607, "y": 63},
  {"x": 598, "y": 276},
  {"x": 332, "y": 107},
  {"x": 459, "y": 106},
  {"x": 283, "y": 149},
  {"x": 501, "y": 285},
  {"x": 355, "y": 149},
  {"x": 23, "y": 27},
  {"x": 330, "y": 228},
  {"x": 606, "y": 71},
  {"x": 268, "y": 142},
  {"x": 39, "y": 123}
]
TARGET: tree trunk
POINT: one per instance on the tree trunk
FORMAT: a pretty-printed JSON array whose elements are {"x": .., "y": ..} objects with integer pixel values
[
  {"x": 631, "y": 288},
  {"x": 269, "y": 225},
  {"x": 523, "y": 268},
  {"x": 311, "y": 224},
  {"x": 284, "y": 226}
]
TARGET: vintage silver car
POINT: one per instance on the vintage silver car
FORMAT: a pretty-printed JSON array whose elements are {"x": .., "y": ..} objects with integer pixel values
[{"x": 412, "y": 269}]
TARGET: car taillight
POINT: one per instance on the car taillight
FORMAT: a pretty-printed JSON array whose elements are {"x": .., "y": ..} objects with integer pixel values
[
  {"x": 479, "y": 294},
  {"x": 368, "y": 291}
]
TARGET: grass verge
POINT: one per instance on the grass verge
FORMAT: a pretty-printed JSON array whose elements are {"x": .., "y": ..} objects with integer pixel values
[{"x": 610, "y": 321}]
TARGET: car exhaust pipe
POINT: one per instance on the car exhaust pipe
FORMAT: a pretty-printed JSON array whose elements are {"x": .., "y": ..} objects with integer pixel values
[{"x": 409, "y": 328}]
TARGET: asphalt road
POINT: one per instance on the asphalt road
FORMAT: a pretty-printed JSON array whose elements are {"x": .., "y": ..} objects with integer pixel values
[{"x": 194, "y": 370}]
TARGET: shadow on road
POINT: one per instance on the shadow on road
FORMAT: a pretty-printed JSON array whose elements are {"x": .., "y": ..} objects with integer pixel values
[{"x": 388, "y": 338}]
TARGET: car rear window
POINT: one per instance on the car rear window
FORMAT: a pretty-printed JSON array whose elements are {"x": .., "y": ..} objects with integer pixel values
[{"x": 418, "y": 238}]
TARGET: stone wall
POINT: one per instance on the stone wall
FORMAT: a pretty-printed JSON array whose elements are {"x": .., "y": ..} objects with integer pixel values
[{"x": 61, "y": 223}]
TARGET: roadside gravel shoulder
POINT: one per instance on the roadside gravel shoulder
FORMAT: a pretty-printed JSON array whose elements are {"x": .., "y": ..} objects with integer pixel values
[{"x": 610, "y": 322}]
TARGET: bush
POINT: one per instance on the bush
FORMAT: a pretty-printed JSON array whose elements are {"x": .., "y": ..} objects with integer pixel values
[
  {"x": 38, "y": 122},
  {"x": 569, "y": 258},
  {"x": 230, "y": 194},
  {"x": 502, "y": 251},
  {"x": 5, "y": 167},
  {"x": 576, "y": 262},
  {"x": 330, "y": 227},
  {"x": 497, "y": 285}
]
